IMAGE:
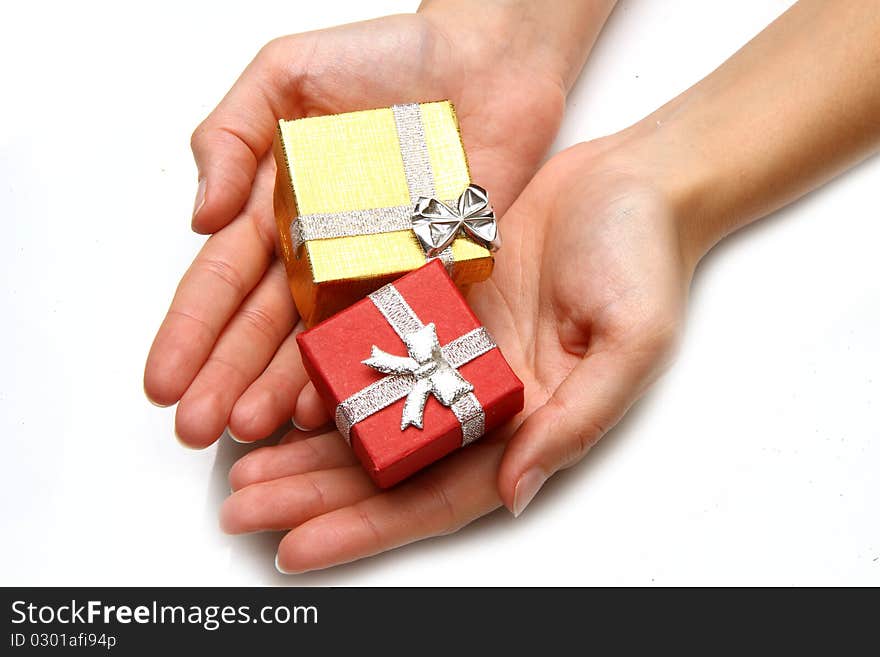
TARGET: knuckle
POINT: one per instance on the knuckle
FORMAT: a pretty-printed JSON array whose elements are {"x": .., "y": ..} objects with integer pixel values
[
  {"x": 261, "y": 321},
  {"x": 242, "y": 510},
  {"x": 206, "y": 332},
  {"x": 271, "y": 50},
  {"x": 318, "y": 498},
  {"x": 577, "y": 434},
  {"x": 197, "y": 138},
  {"x": 312, "y": 456},
  {"x": 245, "y": 472},
  {"x": 585, "y": 436},
  {"x": 225, "y": 273},
  {"x": 582, "y": 435},
  {"x": 224, "y": 366},
  {"x": 439, "y": 502},
  {"x": 369, "y": 526}
]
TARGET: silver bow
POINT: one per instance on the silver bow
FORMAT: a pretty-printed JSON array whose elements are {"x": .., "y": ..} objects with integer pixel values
[
  {"x": 437, "y": 224},
  {"x": 431, "y": 373}
]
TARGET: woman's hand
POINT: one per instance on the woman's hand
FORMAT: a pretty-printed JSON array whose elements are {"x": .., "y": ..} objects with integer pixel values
[
  {"x": 585, "y": 302},
  {"x": 588, "y": 293},
  {"x": 226, "y": 350}
]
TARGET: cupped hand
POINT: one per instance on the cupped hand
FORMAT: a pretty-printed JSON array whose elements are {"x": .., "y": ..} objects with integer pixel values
[
  {"x": 226, "y": 350},
  {"x": 586, "y": 302}
]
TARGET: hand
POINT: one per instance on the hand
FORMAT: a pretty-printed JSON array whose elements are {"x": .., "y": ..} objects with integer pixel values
[
  {"x": 585, "y": 302},
  {"x": 588, "y": 294},
  {"x": 226, "y": 349}
]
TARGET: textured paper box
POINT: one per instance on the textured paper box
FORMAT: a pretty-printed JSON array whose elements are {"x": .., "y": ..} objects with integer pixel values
[
  {"x": 332, "y": 354},
  {"x": 342, "y": 163}
]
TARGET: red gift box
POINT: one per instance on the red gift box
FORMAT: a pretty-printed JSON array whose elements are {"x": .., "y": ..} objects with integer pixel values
[{"x": 334, "y": 354}]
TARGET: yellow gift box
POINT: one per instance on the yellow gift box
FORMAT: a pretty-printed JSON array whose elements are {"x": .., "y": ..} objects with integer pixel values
[{"x": 343, "y": 180}]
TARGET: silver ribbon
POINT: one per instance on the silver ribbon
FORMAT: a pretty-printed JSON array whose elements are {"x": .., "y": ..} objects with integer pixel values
[
  {"x": 420, "y": 184},
  {"x": 437, "y": 224},
  {"x": 428, "y": 369},
  {"x": 431, "y": 372}
]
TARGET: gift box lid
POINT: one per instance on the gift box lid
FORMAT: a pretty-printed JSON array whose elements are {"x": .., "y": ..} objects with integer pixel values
[
  {"x": 334, "y": 351},
  {"x": 378, "y": 159}
]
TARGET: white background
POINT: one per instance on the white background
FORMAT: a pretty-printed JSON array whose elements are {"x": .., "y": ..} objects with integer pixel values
[{"x": 753, "y": 461}]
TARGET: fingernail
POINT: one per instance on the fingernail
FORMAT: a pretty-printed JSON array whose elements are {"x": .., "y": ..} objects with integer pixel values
[
  {"x": 200, "y": 197},
  {"x": 297, "y": 425},
  {"x": 184, "y": 444},
  {"x": 526, "y": 489},
  {"x": 155, "y": 403},
  {"x": 235, "y": 438},
  {"x": 279, "y": 568}
]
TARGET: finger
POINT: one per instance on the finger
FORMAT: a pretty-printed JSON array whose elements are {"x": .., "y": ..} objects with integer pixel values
[
  {"x": 244, "y": 349},
  {"x": 227, "y": 268},
  {"x": 322, "y": 452},
  {"x": 310, "y": 412},
  {"x": 270, "y": 400},
  {"x": 296, "y": 434},
  {"x": 289, "y": 501},
  {"x": 590, "y": 401},
  {"x": 230, "y": 142},
  {"x": 438, "y": 501}
]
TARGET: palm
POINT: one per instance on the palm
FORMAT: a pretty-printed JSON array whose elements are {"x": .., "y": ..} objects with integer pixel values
[
  {"x": 408, "y": 58},
  {"x": 596, "y": 272},
  {"x": 584, "y": 301},
  {"x": 225, "y": 350}
]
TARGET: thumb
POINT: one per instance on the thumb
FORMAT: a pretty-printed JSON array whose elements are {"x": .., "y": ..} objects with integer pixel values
[
  {"x": 588, "y": 402},
  {"x": 230, "y": 142}
]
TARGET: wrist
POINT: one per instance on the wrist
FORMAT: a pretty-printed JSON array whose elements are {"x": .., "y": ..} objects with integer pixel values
[
  {"x": 667, "y": 156},
  {"x": 550, "y": 39}
]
